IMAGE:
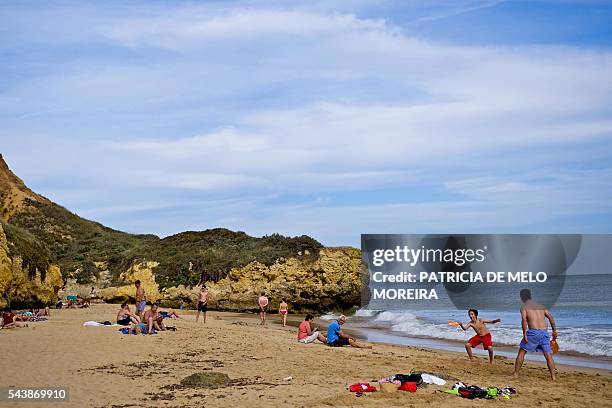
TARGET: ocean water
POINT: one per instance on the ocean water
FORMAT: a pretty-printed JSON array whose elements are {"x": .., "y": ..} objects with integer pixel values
[{"x": 583, "y": 314}]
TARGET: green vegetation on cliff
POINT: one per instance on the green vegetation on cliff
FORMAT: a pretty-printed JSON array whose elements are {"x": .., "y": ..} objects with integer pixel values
[{"x": 44, "y": 233}]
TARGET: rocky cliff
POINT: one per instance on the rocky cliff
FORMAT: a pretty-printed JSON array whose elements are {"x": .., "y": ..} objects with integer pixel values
[{"x": 43, "y": 238}]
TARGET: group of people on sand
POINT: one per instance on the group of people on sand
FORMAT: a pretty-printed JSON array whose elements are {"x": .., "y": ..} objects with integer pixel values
[
  {"x": 335, "y": 336},
  {"x": 263, "y": 302},
  {"x": 535, "y": 333},
  {"x": 10, "y": 319},
  {"x": 148, "y": 321}
]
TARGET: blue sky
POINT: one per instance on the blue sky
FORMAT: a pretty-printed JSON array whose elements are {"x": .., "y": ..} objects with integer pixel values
[{"x": 324, "y": 118}]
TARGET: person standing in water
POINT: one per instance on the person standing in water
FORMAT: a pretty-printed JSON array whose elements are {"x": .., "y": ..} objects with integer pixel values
[
  {"x": 202, "y": 303},
  {"x": 263, "y": 307},
  {"x": 535, "y": 333},
  {"x": 283, "y": 310}
]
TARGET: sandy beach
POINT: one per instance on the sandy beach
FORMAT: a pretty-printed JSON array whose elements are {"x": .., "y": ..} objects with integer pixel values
[{"x": 104, "y": 368}]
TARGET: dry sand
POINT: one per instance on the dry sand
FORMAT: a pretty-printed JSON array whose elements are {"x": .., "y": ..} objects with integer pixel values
[{"x": 104, "y": 368}]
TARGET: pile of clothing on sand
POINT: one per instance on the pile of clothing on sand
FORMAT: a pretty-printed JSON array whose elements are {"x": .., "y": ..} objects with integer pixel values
[{"x": 416, "y": 380}]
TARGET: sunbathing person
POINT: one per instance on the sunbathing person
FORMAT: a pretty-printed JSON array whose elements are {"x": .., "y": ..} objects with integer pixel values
[
  {"x": 169, "y": 315},
  {"x": 10, "y": 320},
  {"x": 138, "y": 328},
  {"x": 153, "y": 320},
  {"x": 125, "y": 316},
  {"x": 337, "y": 338},
  {"x": 46, "y": 312},
  {"x": 306, "y": 334}
]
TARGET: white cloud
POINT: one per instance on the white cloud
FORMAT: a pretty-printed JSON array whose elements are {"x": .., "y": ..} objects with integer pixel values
[{"x": 309, "y": 102}]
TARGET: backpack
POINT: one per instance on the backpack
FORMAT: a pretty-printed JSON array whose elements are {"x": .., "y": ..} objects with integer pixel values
[{"x": 472, "y": 392}]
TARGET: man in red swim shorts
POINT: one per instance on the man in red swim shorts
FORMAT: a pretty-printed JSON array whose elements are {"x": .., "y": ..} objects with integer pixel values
[{"x": 483, "y": 335}]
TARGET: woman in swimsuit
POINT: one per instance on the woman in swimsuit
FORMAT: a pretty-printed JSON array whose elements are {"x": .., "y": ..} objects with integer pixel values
[
  {"x": 283, "y": 310},
  {"x": 125, "y": 317}
]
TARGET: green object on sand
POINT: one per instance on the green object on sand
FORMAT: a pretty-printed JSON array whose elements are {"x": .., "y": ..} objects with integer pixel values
[
  {"x": 492, "y": 392},
  {"x": 452, "y": 392}
]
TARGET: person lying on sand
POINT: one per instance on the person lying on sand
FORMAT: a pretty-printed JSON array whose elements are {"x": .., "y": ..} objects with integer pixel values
[
  {"x": 169, "y": 315},
  {"x": 336, "y": 338},
  {"x": 46, "y": 312},
  {"x": 138, "y": 328},
  {"x": 283, "y": 310},
  {"x": 306, "y": 334},
  {"x": 483, "y": 335},
  {"x": 153, "y": 320},
  {"x": 10, "y": 320},
  {"x": 535, "y": 333},
  {"x": 125, "y": 317}
]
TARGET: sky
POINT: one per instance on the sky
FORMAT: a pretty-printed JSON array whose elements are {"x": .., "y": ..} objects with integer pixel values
[{"x": 324, "y": 118}]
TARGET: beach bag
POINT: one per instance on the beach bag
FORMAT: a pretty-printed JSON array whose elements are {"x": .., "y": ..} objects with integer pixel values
[
  {"x": 415, "y": 378},
  {"x": 408, "y": 386},
  {"x": 361, "y": 387},
  {"x": 472, "y": 392}
]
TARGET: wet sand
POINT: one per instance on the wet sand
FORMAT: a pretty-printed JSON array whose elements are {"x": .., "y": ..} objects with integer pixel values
[{"x": 104, "y": 368}]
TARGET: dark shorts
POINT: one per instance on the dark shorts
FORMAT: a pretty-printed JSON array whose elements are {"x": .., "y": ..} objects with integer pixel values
[
  {"x": 340, "y": 342},
  {"x": 263, "y": 309},
  {"x": 202, "y": 307},
  {"x": 124, "y": 322}
]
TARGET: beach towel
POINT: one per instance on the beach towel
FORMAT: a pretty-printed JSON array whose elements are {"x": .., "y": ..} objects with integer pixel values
[
  {"x": 432, "y": 379},
  {"x": 362, "y": 387},
  {"x": 92, "y": 324}
]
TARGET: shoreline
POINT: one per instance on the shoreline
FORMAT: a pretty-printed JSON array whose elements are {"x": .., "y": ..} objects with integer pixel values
[{"x": 380, "y": 335}]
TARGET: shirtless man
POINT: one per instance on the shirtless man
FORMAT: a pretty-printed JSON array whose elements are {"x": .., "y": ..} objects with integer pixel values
[
  {"x": 125, "y": 317},
  {"x": 202, "y": 303},
  {"x": 140, "y": 299},
  {"x": 283, "y": 310},
  {"x": 535, "y": 333},
  {"x": 263, "y": 307},
  {"x": 153, "y": 320},
  {"x": 483, "y": 335}
]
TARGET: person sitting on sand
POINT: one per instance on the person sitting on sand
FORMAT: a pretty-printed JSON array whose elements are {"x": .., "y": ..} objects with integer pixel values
[
  {"x": 263, "y": 307},
  {"x": 125, "y": 317},
  {"x": 202, "y": 303},
  {"x": 306, "y": 334},
  {"x": 10, "y": 320},
  {"x": 283, "y": 310},
  {"x": 153, "y": 320},
  {"x": 337, "y": 338},
  {"x": 535, "y": 333},
  {"x": 483, "y": 335}
]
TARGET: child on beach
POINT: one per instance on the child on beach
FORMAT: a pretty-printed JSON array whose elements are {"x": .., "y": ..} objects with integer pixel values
[
  {"x": 483, "y": 335},
  {"x": 283, "y": 310}
]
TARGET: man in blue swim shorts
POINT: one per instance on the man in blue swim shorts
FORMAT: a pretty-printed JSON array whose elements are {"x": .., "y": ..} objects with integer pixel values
[{"x": 535, "y": 333}]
